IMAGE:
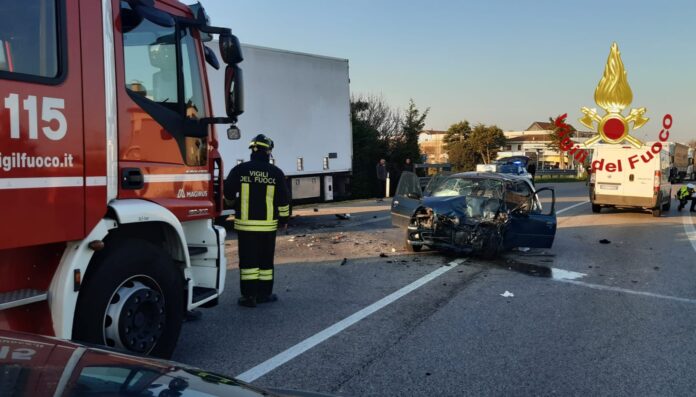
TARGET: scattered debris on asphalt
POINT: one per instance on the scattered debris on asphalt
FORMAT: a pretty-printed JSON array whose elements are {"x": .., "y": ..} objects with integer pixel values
[
  {"x": 344, "y": 217},
  {"x": 656, "y": 267},
  {"x": 393, "y": 249},
  {"x": 383, "y": 255},
  {"x": 604, "y": 241},
  {"x": 316, "y": 210},
  {"x": 344, "y": 261},
  {"x": 523, "y": 249},
  {"x": 507, "y": 294}
]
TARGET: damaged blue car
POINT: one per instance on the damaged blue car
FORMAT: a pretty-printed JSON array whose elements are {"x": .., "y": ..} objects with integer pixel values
[{"x": 472, "y": 212}]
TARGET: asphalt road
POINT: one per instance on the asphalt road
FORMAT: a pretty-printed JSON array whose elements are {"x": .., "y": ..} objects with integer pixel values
[{"x": 615, "y": 319}]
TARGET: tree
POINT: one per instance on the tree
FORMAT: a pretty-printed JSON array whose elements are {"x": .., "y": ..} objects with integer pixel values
[
  {"x": 557, "y": 140},
  {"x": 368, "y": 148},
  {"x": 457, "y": 132},
  {"x": 486, "y": 141},
  {"x": 405, "y": 144}
]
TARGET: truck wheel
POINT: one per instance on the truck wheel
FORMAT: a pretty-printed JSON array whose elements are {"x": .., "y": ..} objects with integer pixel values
[
  {"x": 411, "y": 248},
  {"x": 596, "y": 208},
  {"x": 131, "y": 299}
]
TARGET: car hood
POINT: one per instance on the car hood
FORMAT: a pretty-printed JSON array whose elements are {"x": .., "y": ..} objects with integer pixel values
[
  {"x": 41, "y": 366},
  {"x": 465, "y": 208}
]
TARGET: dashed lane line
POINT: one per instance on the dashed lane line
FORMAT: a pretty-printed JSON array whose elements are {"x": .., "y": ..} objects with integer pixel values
[
  {"x": 571, "y": 207},
  {"x": 289, "y": 354}
]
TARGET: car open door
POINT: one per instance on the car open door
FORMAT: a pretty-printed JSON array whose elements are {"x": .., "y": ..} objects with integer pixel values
[
  {"x": 406, "y": 199},
  {"x": 532, "y": 224}
]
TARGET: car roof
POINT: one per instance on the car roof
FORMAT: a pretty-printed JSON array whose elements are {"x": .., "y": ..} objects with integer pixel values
[{"x": 489, "y": 175}]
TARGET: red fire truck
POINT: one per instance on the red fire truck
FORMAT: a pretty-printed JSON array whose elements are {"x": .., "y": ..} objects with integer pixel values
[{"x": 110, "y": 176}]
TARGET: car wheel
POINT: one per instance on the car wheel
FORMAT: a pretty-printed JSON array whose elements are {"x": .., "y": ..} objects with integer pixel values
[
  {"x": 409, "y": 247},
  {"x": 132, "y": 298},
  {"x": 491, "y": 246},
  {"x": 596, "y": 208}
]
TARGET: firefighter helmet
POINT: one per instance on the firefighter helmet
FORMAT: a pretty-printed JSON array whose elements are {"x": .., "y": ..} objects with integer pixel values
[{"x": 261, "y": 141}]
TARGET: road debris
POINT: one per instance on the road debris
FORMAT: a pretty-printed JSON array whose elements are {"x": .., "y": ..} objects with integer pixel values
[
  {"x": 383, "y": 255},
  {"x": 393, "y": 249},
  {"x": 344, "y": 217},
  {"x": 344, "y": 261},
  {"x": 507, "y": 294},
  {"x": 523, "y": 249},
  {"x": 316, "y": 210},
  {"x": 604, "y": 241}
]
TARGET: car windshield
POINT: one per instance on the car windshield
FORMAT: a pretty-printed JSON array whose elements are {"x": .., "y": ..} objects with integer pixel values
[{"x": 476, "y": 187}]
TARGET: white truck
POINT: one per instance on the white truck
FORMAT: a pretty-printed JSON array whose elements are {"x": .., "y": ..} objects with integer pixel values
[
  {"x": 302, "y": 102},
  {"x": 690, "y": 172},
  {"x": 623, "y": 176}
]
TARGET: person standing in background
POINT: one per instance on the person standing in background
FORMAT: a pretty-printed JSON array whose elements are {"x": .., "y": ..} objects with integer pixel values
[
  {"x": 381, "y": 179},
  {"x": 408, "y": 166}
]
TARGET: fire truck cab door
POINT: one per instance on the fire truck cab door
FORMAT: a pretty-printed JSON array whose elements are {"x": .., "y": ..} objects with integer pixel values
[{"x": 42, "y": 180}]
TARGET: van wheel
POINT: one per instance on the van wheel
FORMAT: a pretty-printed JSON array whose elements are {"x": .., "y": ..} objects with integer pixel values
[
  {"x": 596, "y": 208},
  {"x": 666, "y": 206},
  {"x": 131, "y": 299}
]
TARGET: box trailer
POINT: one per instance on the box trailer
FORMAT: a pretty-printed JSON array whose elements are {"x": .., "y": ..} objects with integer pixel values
[
  {"x": 302, "y": 102},
  {"x": 680, "y": 161}
]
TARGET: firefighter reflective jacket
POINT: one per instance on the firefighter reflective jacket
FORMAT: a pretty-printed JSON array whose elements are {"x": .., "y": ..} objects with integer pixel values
[
  {"x": 683, "y": 193},
  {"x": 260, "y": 194}
]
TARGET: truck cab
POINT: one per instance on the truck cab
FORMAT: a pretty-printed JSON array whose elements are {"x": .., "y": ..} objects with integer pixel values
[{"x": 109, "y": 169}]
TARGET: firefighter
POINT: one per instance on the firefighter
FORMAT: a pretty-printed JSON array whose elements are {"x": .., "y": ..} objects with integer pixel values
[
  {"x": 262, "y": 201},
  {"x": 684, "y": 194}
]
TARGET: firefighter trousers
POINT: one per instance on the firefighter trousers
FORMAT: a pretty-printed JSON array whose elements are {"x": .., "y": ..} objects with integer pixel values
[{"x": 256, "y": 252}]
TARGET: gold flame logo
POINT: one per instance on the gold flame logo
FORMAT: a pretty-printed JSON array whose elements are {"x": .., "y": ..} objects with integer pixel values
[{"x": 613, "y": 94}]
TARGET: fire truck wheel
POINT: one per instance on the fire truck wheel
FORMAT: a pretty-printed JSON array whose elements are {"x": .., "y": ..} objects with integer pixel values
[{"x": 131, "y": 299}]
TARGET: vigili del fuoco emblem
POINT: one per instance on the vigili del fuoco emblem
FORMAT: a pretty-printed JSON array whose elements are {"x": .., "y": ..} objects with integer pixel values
[{"x": 613, "y": 94}]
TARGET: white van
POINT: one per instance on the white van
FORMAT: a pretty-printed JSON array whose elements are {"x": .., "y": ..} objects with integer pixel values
[{"x": 623, "y": 176}]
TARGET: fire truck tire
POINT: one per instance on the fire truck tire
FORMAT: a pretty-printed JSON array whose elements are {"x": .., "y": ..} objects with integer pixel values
[{"x": 131, "y": 299}]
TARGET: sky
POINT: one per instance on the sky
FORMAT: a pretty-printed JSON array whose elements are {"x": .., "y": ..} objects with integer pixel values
[{"x": 508, "y": 63}]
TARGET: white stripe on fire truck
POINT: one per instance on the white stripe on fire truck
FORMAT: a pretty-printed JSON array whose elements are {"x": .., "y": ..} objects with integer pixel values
[
  {"x": 95, "y": 181},
  {"x": 153, "y": 178},
  {"x": 35, "y": 183}
]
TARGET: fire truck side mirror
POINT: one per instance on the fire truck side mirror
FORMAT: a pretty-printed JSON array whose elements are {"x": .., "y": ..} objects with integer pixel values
[
  {"x": 230, "y": 49},
  {"x": 234, "y": 91}
]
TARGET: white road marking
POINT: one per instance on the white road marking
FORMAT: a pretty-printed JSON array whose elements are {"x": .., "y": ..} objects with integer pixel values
[
  {"x": 689, "y": 229},
  {"x": 289, "y": 354},
  {"x": 571, "y": 207},
  {"x": 627, "y": 291},
  {"x": 560, "y": 274}
]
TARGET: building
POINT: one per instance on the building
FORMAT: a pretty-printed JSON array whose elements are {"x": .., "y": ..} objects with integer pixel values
[
  {"x": 432, "y": 145},
  {"x": 534, "y": 142}
]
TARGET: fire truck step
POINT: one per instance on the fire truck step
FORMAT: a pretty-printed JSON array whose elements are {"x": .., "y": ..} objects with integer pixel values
[
  {"x": 193, "y": 251},
  {"x": 201, "y": 293},
  {"x": 21, "y": 297}
]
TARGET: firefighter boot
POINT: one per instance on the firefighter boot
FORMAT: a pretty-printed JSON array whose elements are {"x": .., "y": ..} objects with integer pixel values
[
  {"x": 247, "y": 301},
  {"x": 267, "y": 298}
]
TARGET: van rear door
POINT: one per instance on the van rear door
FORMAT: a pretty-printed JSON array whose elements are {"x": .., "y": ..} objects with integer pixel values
[{"x": 625, "y": 181}]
